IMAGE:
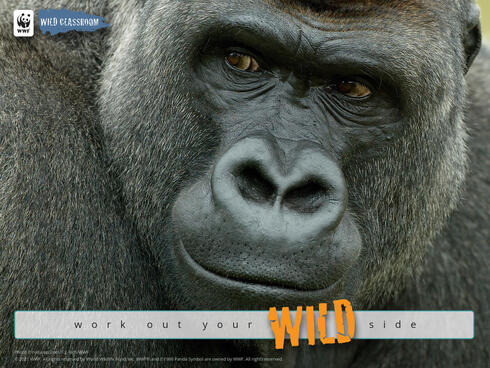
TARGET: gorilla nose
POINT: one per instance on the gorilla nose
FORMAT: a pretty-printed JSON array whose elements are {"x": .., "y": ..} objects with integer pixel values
[{"x": 270, "y": 198}]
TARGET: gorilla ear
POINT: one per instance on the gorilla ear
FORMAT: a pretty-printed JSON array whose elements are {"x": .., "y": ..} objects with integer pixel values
[{"x": 472, "y": 40}]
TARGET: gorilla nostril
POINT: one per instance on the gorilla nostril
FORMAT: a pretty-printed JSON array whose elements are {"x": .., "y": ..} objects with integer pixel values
[
  {"x": 307, "y": 197},
  {"x": 254, "y": 185}
]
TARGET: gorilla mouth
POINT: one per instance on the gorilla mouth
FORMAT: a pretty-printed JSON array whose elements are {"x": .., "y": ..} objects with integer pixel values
[{"x": 213, "y": 279}]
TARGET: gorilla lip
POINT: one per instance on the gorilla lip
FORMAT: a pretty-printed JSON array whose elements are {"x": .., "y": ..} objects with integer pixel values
[{"x": 199, "y": 273}]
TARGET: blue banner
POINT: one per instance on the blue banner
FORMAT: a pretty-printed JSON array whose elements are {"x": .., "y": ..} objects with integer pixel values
[{"x": 57, "y": 21}]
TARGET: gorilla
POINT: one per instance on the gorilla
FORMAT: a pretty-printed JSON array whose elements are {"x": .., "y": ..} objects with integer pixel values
[{"x": 238, "y": 155}]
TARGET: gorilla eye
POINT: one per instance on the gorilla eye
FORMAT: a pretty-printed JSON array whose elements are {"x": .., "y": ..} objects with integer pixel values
[
  {"x": 353, "y": 89},
  {"x": 242, "y": 62}
]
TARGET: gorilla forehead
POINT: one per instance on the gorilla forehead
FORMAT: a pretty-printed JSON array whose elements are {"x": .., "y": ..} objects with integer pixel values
[
  {"x": 395, "y": 44},
  {"x": 353, "y": 8},
  {"x": 335, "y": 5}
]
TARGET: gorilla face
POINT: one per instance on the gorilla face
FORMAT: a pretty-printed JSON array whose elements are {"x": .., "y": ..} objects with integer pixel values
[{"x": 273, "y": 154}]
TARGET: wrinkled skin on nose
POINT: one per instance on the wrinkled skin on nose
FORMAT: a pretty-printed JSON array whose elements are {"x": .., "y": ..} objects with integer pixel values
[{"x": 287, "y": 206}]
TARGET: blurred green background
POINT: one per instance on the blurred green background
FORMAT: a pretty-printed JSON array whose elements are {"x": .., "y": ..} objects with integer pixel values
[{"x": 485, "y": 11}]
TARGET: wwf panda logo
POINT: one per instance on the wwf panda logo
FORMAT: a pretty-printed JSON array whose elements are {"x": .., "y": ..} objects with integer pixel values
[{"x": 24, "y": 20}]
